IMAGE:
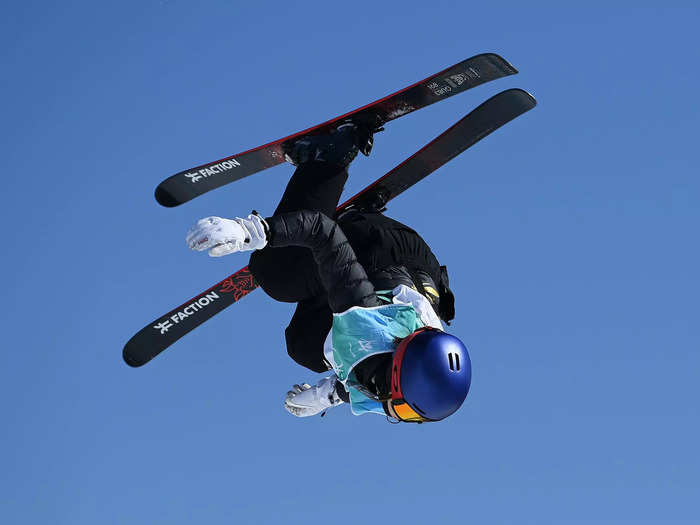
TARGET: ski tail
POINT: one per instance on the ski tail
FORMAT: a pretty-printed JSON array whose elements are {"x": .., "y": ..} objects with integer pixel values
[{"x": 489, "y": 116}]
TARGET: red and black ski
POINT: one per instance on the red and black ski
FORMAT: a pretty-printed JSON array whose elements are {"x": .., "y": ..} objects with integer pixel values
[
  {"x": 188, "y": 184},
  {"x": 489, "y": 116}
]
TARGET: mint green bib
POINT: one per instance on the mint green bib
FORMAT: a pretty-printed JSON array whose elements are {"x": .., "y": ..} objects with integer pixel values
[{"x": 359, "y": 333}]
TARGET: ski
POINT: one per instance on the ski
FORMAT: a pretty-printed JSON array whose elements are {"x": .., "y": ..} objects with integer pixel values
[
  {"x": 489, "y": 116},
  {"x": 186, "y": 185}
]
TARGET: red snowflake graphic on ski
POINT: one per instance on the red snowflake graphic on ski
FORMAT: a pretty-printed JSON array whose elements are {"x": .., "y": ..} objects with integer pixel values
[{"x": 240, "y": 284}]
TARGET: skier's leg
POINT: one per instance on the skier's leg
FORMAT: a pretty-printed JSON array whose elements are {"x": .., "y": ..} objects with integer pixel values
[
  {"x": 315, "y": 186},
  {"x": 290, "y": 274}
]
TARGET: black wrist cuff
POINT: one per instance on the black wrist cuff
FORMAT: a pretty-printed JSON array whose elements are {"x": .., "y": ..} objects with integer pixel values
[
  {"x": 266, "y": 226},
  {"x": 342, "y": 393}
]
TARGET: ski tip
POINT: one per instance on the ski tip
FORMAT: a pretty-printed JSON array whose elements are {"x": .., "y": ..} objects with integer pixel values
[
  {"x": 130, "y": 359},
  {"x": 164, "y": 198},
  {"x": 508, "y": 68},
  {"x": 526, "y": 95},
  {"x": 526, "y": 100}
]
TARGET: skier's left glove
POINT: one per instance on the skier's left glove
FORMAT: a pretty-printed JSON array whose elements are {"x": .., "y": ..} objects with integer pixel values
[
  {"x": 305, "y": 400},
  {"x": 225, "y": 236}
]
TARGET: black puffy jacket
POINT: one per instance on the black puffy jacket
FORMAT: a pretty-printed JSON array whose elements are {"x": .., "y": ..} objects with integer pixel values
[
  {"x": 342, "y": 276},
  {"x": 378, "y": 240}
]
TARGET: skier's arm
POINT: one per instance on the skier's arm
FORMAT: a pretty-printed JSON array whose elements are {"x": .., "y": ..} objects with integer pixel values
[
  {"x": 343, "y": 277},
  {"x": 307, "y": 333},
  {"x": 341, "y": 274}
]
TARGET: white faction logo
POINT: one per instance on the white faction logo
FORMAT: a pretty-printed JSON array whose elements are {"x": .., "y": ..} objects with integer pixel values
[
  {"x": 214, "y": 169},
  {"x": 188, "y": 310}
]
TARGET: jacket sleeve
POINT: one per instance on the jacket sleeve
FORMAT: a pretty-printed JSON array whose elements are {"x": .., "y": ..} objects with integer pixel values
[
  {"x": 307, "y": 331},
  {"x": 341, "y": 274}
]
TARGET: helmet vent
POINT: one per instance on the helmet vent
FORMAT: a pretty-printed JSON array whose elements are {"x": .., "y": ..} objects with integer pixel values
[{"x": 454, "y": 361}]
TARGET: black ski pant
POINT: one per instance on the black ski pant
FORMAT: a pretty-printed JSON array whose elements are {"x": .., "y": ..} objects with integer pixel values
[{"x": 290, "y": 274}]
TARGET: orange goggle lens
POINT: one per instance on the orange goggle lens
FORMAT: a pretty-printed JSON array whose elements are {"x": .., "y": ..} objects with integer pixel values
[{"x": 405, "y": 413}]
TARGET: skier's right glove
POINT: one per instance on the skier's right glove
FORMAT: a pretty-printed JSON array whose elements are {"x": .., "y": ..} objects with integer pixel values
[
  {"x": 225, "y": 236},
  {"x": 305, "y": 400}
]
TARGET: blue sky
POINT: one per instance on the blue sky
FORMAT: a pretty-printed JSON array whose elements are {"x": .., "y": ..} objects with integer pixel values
[{"x": 570, "y": 235}]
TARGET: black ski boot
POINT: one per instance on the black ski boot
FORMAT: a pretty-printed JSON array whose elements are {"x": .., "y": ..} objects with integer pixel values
[
  {"x": 373, "y": 202},
  {"x": 338, "y": 147}
]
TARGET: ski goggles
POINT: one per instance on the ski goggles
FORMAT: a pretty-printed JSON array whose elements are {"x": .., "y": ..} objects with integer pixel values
[{"x": 398, "y": 404}]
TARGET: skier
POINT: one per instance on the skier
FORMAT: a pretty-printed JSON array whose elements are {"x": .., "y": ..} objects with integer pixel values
[{"x": 370, "y": 293}]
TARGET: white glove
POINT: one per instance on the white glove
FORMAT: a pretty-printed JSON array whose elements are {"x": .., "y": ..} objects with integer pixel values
[
  {"x": 225, "y": 236},
  {"x": 305, "y": 400}
]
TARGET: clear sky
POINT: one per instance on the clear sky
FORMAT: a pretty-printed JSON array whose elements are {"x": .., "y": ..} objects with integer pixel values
[{"x": 571, "y": 236}]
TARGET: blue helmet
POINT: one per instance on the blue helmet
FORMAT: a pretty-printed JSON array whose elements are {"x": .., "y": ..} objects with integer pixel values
[{"x": 430, "y": 378}]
